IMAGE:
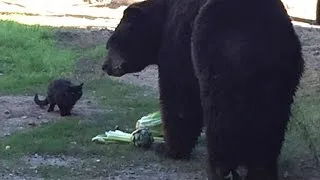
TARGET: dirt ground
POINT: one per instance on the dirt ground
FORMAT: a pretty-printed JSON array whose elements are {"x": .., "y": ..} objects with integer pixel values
[{"x": 20, "y": 113}]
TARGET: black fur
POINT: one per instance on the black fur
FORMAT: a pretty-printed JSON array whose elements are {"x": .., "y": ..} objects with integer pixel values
[
  {"x": 63, "y": 93},
  {"x": 248, "y": 60},
  {"x": 158, "y": 32}
]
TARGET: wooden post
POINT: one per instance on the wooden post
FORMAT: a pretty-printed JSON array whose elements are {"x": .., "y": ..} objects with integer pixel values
[{"x": 318, "y": 13}]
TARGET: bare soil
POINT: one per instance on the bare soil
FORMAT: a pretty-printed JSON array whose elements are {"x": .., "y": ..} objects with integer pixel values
[{"x": 20, "y": 113}]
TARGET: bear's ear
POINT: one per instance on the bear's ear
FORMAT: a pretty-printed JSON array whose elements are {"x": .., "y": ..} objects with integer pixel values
[{"x": 132, "y": 11}]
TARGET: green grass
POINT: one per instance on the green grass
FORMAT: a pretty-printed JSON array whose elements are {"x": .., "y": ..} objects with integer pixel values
[
  {"x": 302, "y": 138},
  {"x": 96, "y": 52},
  {"x": 123, "y": 105},
  {"x": 29, "y": 57}
]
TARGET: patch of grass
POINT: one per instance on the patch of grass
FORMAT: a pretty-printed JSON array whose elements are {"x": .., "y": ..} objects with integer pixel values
[
  {"x": 29, "y": 57},
  {"x": 42, "y": 61},
  {"x": 302, "y": 140},
  {"x": 124, "y": 105},
  {"x": 119, "y": 95},
  {"x": 96, "y": 53}
]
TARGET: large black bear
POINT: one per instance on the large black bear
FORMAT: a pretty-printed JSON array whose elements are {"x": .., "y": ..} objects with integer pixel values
[{"x": 247, "y": 60}]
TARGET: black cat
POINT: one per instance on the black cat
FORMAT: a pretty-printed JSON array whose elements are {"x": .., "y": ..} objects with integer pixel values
[{"x": 63, "y": 93}]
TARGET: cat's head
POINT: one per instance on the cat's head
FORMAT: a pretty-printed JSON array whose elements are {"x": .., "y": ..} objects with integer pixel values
[{"x": 76, "y": 91}]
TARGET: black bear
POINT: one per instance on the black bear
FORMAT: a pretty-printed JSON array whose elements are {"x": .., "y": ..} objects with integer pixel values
[
  {"x": 248, "y": 61},
  {"x": 246, "y": 58},
  {"x": 158, "y": 32}
]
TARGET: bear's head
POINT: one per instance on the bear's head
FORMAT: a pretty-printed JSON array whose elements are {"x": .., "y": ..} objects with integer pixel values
[{"x": 136, "y": 40}]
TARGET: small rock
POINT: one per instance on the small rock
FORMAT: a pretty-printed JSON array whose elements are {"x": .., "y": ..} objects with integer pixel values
[
  {"x": 7, "y": 147},
  {"x": 24, "y": 117},
  {"x": 88, "y": 102},
  {"x": 73, "y": 142},
  {"x": 7, "y": 134},
  {"x": 141, "y": 169},
  {"x": 7, "y": 113},
  {"x": 98, "y": 160},
  {"x": 32, "y": 124},
  {"x": 103, "y": 97},
  {"x": 285, "y": 174},
  {"x": 39, "y": 117},
  {"x": 1, "y": 74},
  {"x": 87, "y": 169},
  {"x": 33, "y": 167}
]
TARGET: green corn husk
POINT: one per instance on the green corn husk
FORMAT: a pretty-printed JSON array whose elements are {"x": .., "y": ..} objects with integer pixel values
[
  {"x": 153, "y": 122},
  {"x": 113, "y": 137},
  {"x": 148, "y": 130},
  {"x": 139, "y": 137}
]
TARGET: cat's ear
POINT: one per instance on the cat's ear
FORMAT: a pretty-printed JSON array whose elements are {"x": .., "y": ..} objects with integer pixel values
[
  {"x": 78, "y": 87},
  {"x": 75, "y": 87}
]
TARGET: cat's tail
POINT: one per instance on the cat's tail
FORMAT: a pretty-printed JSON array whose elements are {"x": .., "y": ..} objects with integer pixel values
[{"x": 40, "y": 102}]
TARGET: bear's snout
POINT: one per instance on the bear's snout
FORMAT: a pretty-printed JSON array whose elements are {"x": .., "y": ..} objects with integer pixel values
[{"x": 112, "y": 68}]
